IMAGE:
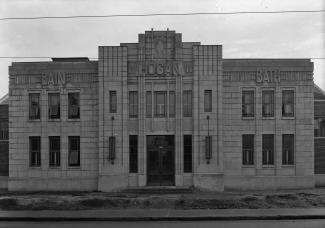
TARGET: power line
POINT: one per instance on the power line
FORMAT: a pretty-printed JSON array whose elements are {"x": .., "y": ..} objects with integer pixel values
[
  {"x": 162, "y": 14},
  {"x": 95, "y": 58}
]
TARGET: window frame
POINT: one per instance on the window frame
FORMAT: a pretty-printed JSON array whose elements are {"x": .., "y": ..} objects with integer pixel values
[
  {"x": 112, "y": 101},
  {"x": 208, "y": 100},
  {"x": 249, "y": 149},
  {"x": 37, "y": 152},
  {"x": 269, "y": 160},
  {"x": 133, "y": 104},
  {"x": 70, "y": 138},
  {"x": 71, "y": 117},
  {"x": 149, "y": 104},
  {"x": 49, "y": 106},
  {"x": 57, "y": 152},
  {"x": 272, "y": 104},
  {"x": 187, "y": 103},
  {"x": 172, "y": 104},
  {"x": 285, "y": 157},
  {"x": 30, "y": 108},
  {"x": 157, "y": 113},
  {"x": 133, "y": 154},
  {"x": 244, "y": 104},
  {"x": 187, "y": 154},
  {"x": 285, "y": 115}
]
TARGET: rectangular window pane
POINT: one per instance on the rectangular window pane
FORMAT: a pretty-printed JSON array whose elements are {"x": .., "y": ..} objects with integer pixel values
[
  {"x": 268, "y": 149},
  {"x": 54, "y": 148},
  {"x": 133, "y": 104},
  {"x": 187, "y": 153},
  {"x": 248, "y": 149},
  {"x": 35, "y": 151},
  {"x": 248, "y": 109},
  {"x": 133, "y": 153},
  {"x": 160, "y": 104},
  {"x": 112, "y": 102},
  {"x": 74, "y": 151},
  {"x": 34, "y": 106},
  {"x": 172, "y": 103},
  {"x": 148, "y": 104},
  {"x": 268, "y": 103},
  {"x": 187, "y": 103},
  {"x": 208, "y": 100},
  {"x": 54, "y": 105},
  {"x": 74, "y": 105},
  {"x": 288, "y": 149},
  {"x": 288, "y": 103}
]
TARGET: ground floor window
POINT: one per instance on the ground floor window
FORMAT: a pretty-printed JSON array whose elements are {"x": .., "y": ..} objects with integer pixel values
[
  {"x": 74, "y": 151},
  {"x": 268, "y": 149},
  {"x": 288, "y": 149},
  {"x": 133, "y": 153},
  {"x": 248, "y": 149},
  {"x": 35, "y": 151},
  {"x": 54, "y": 148},
  {"x": 187, "y": 153}
]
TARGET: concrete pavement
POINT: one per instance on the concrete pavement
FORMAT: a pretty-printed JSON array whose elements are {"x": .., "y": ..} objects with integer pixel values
[{"x": 164, "y": 215}]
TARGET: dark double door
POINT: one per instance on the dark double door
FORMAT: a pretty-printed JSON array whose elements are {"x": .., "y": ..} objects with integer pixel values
[{"x": 160, "y": 160}]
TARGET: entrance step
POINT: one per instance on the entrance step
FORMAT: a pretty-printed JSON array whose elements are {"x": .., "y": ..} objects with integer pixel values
[{"x": 158, "y": 190}]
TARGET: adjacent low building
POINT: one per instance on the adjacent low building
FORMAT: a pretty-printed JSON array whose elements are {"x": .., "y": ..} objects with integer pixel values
[{"x": 161, "y": 112}]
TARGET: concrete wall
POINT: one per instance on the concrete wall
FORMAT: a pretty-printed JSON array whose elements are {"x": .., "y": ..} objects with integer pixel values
[
  {"x": 293, "y": 74},
  {"x": 43, "y": 78}
]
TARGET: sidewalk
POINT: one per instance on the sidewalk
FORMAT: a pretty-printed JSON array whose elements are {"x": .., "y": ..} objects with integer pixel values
[{"x": 164, "y": 215}]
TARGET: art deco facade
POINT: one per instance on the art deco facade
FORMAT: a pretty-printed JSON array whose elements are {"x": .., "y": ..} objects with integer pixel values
[{"x": 161, "y": 112}]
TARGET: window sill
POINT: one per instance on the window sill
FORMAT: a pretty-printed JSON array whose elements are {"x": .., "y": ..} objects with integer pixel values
[
  {"x": 288, "y": 166},
  {"x": 288, "y": 117},
  {"x": 54, "y": 167},
  {"x": 54, "y": 120},
  {"x": 248, "y": 166},
  {"x": 73, "y": 120},
  {"x": 35, "y": 167},
  {"x": 268, "y": 118},
  {"x": 74, "y": 168},
  {"x": 248, "y": 117},
  {"x": 268, "y": 166}
]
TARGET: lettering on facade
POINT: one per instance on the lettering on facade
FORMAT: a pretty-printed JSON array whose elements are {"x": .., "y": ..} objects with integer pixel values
[
  {"x": 170, "y": 68},
  {"x": 268, "y": 76},
  {"x": 54, "y": 78}
]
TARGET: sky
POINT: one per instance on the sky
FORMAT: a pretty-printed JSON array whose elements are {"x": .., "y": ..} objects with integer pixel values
[{"x": 242, "y": 35}]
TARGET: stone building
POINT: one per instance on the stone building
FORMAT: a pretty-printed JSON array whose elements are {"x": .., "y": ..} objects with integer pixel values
[{"x": 161, "y": 112}]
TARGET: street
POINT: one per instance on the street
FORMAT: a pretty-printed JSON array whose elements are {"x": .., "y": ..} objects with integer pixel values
[{"x": 194, "y": 224}]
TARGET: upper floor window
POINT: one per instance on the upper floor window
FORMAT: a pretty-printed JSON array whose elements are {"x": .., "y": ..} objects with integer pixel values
[
  {"x": 74, "y": 151},
  {"x": 288, "y": 103},
  {"x": 288, "y": 149},
  {"x": 112, "y": 102},
  {"x": 74, "y": 105},
  {"x": 248, "y": 149},
  {"x": 148, "y": 104},
  {"x": 133, "y": 104},
  {"x": 187, "y": 103},
  {"x": 172, "y": 103},
  {"x": 248, "y": 104},
  {"x": 208, "y": 100},
  {"x": 34, "y": 106},
  {"x": 160, "y": 104},
  {"x": 319, "y": 127},
  {"x": 268, "y": 103},
  {"x": 54, "y": 144},
  {"x": 54, "y": 105},
  {"x": 35, "y": 151},
  {"x": 268, "y": 149},
  {"x": 133, "y": 153}
]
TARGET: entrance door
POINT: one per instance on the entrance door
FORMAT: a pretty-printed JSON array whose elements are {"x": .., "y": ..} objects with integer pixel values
[{"x": 160, "y": 157}]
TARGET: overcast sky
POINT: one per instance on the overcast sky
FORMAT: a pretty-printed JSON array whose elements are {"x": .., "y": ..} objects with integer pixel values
[{"x": 242, "y": 36}]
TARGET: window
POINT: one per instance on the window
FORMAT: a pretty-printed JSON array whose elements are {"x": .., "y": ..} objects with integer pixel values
[
  {"x": 111, "y": 148},
  {"x": 268, "y": 103},
  {"x": 112, "y": 102},
  {"x": 133, "y": 104},
  {"x": 187, "y": 141},
  {"x": 74, "y": 106},
  {"x": 187, "y": 103},
  {"x": 288, "y": 149},
  {"x": 4, "y": 129},
  {"x": 208, "y": 100},
  {"x": 54, "y": 144},
  {"x": 35, "y": 151},
  {"x": 248, "y": 109},
  {"x": 34, "y": 106},
  {"x": 74, "y": 151},
  {"x": 319, "y": 127},
  {"x": 160, "y": 104},
  {"x": 54, "y": 106},
  {"x": 248, "y": 149},
  {"x": 148, "y": 104},
  {"x": 288, "y": 103},
  {"x": 208, "y": 147},
  {"x": 133, "y": 156},
  {"x": 268, "y": 150},
  {"x": 172, "y": 103}
]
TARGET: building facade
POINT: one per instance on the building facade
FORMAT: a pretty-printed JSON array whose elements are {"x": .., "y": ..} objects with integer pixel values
[{"x": 161, "y": 112}]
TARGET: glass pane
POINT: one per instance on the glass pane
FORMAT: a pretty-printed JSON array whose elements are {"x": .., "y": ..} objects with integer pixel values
[
  {"x": 112, "y": 101},
  {"x": 207, "y": 100},
  {"x": 54, "y": 105},
  {"x": 172, "y": 103},
  {"x": 148, "y": 104}
]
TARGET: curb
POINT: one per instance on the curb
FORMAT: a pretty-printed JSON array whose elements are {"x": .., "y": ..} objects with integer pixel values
[{"x": 165, "y": 218}]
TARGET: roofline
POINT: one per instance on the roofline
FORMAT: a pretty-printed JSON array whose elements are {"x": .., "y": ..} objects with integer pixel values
[
  {"x": 320, "y": 89},
  {"x": 4, "y": 98}
]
